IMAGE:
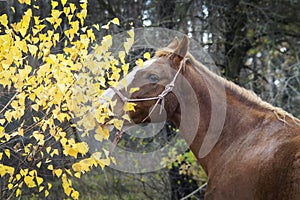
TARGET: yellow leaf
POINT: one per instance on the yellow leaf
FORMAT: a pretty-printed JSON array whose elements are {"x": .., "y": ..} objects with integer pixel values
[
  {"x": 55, "y": 14},
  {"x": 91, "y": 34},
  {"x": 58, "y": 172},
  {"x": 70, "y": 151},
  {"x": 2, "y": 121},
  {"x": 24, "y": 172},
  {"x": 139, "y": 62},
  {"x": 103, "y": 162},
  {"x": 54, "y": 4},
  {"x": 125, "y": 68},
  {"x": 101, "y": 134},
  {"x": 10, "y": 186},
  {"x": 29, "y": 181},
  {"x": 48, "y": 149},
  {"x": 41, "y": 188},
  {"x": 118, "y": 123},
  {"x": 7, "y": 153},
  {"x": 39, "y": 137},
  {"x": 106, "y": 26},
  {"x": 51, "y": 20},
  {"x": 39, "y": 164},
  {"x": 66, "y": 186},
  {"x": 126, "y": 117},
  {"x": 7, "y": 137},
  {"x": 25, "y": 72},
  {"x": 75, "y": 195},
  {"x": 25, "y": 1},
  {"x": 46, "y": 193},
  {"x": 122, "y": 56},
  {"x": 1, "y": 132},
  {"x": 77, "y": 167},
  {"x": 96, "y": 155},
  {"x": 63, "y": 2},
  {"x": 39, "y": 180},
  {"x": 22, "y": 45},
  {"x": 132, "y": 90},
  {"x": 50, "y": 167},
  {"x": 96, "y": 26},
  {"x": 131, "y": 33},
  {"x": 32, "y": 173},
  {"x": 6, "y": 170},
  {"x": 4, "y": 20},
  {"x": 72, "y": 7},
  {"x": 113, "y": 160},
  {"x": 54, "y": 152},
  {"x": 106, "y": 42},
  {"x": 18, "y": 192},
  {"x": 106, "y": 152},
  {"x": 20, "y": 131},
  {"x": 128, "y": 106},
  {"x": 77, "y": 174},
  {"x": 115, "y": 21},
  {"x": 23, "y": 25},
  {"x": 82, "y": 147},
  {"x": 128, "y": 44},
  {"x": 32, "y": 49},
  {"x": 147, "y": 55},
  {"x": 8, "y": 115}
]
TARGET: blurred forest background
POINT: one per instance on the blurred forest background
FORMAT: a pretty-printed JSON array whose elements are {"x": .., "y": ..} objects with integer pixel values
[{"x": 255, "y": 43}]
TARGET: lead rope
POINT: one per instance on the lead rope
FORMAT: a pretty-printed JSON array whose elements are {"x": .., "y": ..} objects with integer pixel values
[
  {"x": 117, "y": 138},
  {"x": 159, "y": 99}
]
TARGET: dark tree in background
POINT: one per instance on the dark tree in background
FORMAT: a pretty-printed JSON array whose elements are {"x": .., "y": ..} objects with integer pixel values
[{"x": 255, "y": 43}]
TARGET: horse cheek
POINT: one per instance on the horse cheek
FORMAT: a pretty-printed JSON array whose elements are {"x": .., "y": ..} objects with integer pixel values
[{"x": 171, "y": 104}]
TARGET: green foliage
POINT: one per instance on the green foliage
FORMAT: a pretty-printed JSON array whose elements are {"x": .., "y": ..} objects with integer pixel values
[{"x": 187, "y": 163}]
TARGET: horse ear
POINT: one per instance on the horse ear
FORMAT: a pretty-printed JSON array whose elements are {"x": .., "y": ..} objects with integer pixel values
[
  {"x": 181, "y": 50},
  {"x": 174, "y": 43}
]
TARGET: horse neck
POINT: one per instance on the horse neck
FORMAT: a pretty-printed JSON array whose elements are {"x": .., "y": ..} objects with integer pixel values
[{"x": 225, "y": 114}]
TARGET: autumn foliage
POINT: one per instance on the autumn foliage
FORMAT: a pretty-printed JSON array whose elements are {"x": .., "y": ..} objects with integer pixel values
[{"x": 48, "y": 77}]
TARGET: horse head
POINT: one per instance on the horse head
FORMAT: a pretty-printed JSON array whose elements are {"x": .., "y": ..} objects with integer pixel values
[{"x": 154, "y": 99}]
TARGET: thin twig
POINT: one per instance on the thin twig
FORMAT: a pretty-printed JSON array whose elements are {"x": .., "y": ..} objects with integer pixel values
[
  {"x": 8, "y": 103},
  {"x": 194, "y": 192}
]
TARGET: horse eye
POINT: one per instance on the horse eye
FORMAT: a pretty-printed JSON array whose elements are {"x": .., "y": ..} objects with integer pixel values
[{"x": 153, "y": 78}]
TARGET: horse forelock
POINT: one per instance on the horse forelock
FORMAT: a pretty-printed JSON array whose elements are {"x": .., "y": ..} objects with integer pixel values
[{"x": 164, "y": 52}]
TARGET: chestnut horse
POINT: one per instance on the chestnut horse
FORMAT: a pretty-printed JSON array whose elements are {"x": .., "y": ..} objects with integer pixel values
[{"x": 256, "y": 152}]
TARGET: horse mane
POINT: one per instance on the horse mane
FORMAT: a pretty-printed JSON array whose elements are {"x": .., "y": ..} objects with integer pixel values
[{"x": 248, "y": 95}]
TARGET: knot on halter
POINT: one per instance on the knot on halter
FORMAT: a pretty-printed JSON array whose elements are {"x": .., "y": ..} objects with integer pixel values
[{"x": 168, "y": 88}]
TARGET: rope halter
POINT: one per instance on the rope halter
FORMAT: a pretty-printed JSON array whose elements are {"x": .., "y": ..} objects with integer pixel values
[{"x": 159, "y": 98}]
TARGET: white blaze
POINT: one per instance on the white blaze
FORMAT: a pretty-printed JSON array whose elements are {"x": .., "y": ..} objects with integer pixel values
[
  {"x": 107, "y": 94},
  {"x": 130, "y": 76}
]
